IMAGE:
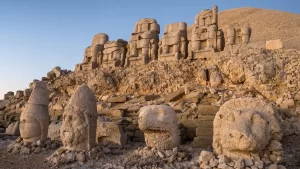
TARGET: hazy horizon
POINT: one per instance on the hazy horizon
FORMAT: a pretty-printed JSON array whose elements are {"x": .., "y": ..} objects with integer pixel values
[{"x": 36, "y": 36}]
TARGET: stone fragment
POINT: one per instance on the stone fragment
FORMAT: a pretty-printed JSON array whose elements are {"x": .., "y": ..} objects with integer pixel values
[
  {"x": 13, "y": 129},
  {"x": 202, "y": 141},
  {"x": 117, "y": 113},
  {"x": 54, "y": 130},
  {"x": 3, "y": 104},
  {"x": 248, "y": 162},
  {"x": 175, "y": 95},
  {"x": 110, "y": 133},
  {"x": 24, "y": 150},
  {"x": 19, "y": 94},
  {"x": 274, "y": 44},
  {"x": 246, "y": 125},
  {"x": 57, "y": 71},
  {"x": 117, "y": 99},
  {"x": 205, "y": 157},
  {"x": 34, "y": 120},
  {"x": 159, "y": 124},
  {"x": 27, "y": 92},
  {"x": 78, "y": 131}
]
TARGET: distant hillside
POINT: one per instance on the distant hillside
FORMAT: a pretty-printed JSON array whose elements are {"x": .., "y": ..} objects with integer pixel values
[{"x": 265, "y": 24}]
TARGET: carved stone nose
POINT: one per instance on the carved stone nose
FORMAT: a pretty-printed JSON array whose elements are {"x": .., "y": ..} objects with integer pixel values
[{"x": 237, "y": 134}]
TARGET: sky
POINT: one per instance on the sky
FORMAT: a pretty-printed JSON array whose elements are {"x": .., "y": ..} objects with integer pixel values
[{"x": 37, "y": 35}]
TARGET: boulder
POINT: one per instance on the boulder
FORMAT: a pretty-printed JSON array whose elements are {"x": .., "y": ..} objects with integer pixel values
[{"x": 13, "y": 129}]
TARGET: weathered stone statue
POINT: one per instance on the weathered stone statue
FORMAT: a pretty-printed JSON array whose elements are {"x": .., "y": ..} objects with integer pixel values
[
  {"x": 78, "y": 131},
  {"x": 114, "y": 53},
  {"x": 244, "y": 127},
  {"x": 205, "y": 35},
  {"x": 144, "y": 40},
  {"x": 173, "y": 45},
  {"x": 91, "y": 54},
  {"x": 238, "y": 35},
  {"x": 34, "y": 120},
  {"x": 159, "y": 124}
]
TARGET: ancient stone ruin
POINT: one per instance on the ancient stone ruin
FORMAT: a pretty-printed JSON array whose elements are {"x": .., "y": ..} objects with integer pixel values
[
  {"x": 91, "y": 54},
  {"x": 114, "y": 54},
  {"x": 143, "y": 45},
  {"x": 206, "y": 37},
  {"x": 78, "y": 130},
  {"x": 246, "y": 128},
  {"x": 159, "y": 123},
  {"x": 196, "y": 98},
  {"x": 174, "y": 43},
  {"x": 34, "y": 120}
]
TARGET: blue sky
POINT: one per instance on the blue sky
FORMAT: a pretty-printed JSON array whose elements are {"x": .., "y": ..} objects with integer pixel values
[{"x": 37, "y": 35}]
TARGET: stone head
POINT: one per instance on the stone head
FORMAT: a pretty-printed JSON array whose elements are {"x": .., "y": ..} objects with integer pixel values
[
  {"x": 34, "y": 120},
  {"x": 159, "y": 122},
  {"x": 79, "y": 123},
  {"x": 100, "y": 38},
  {"x": 244, "y": 127}
]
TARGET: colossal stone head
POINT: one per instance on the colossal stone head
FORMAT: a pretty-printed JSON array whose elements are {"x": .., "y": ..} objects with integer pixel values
[
  {"x": 100, "y": 39},
  {"x": 244, "y": 127},
  {"x": 78, "y": 131},
  {"x": 34, "y": 120},
  {"x": 159, "y": 124}
]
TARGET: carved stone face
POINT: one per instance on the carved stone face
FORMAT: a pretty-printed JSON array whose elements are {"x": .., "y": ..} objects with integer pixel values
[
  {"x": 244, "y": 130},
  {"x": 78, "y": 130},
  {"x": 74, "y": 127},
  {"x": 34, "y": 120},
  {"x": 244, "y": 127},
  {"x": 30, "y": 129}
]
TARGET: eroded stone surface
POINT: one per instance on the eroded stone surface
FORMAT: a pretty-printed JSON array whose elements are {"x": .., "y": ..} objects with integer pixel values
[
  {"x": 159, "y": 123},
  {"x": 34, "y": 120},
  {"x": 244, "y": 127},
  {"x": 78, "y": 131}
]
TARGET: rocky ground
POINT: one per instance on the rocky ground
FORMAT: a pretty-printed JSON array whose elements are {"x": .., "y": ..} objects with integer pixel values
[{"x": 130, "y": 156}]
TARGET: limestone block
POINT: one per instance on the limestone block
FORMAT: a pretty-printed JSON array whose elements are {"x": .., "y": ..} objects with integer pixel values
[
  {"x": 243, "y": 127},
  {"x": 78, "y": 131},
  {"x": 54, "y": 130},
  {"x": 202, "y": 142},
  {"x": 13, "y": 129},
  {"x": 175, "y": 95},
  {"x": 274, "y": 44},
  {"x": 57, "y": 71},
  {"x": 19, "y": 94},
  {"x": 159, "y": 124},
  {"x": 51, "y": 75},
  {"x": 27, "y": 92},
  {"x": 117, "y": 99},
  {"x": 3, "y": 104},
  {"x": 201, "y": 131},
  {"x": 110, "y": 132}
]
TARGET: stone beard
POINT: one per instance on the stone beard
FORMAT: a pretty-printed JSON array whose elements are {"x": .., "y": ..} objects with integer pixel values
[{"x": 75, "y": 127}]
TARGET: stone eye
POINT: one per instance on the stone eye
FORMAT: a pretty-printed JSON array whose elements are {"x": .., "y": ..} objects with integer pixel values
[{"x": 230, "y": 118}]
